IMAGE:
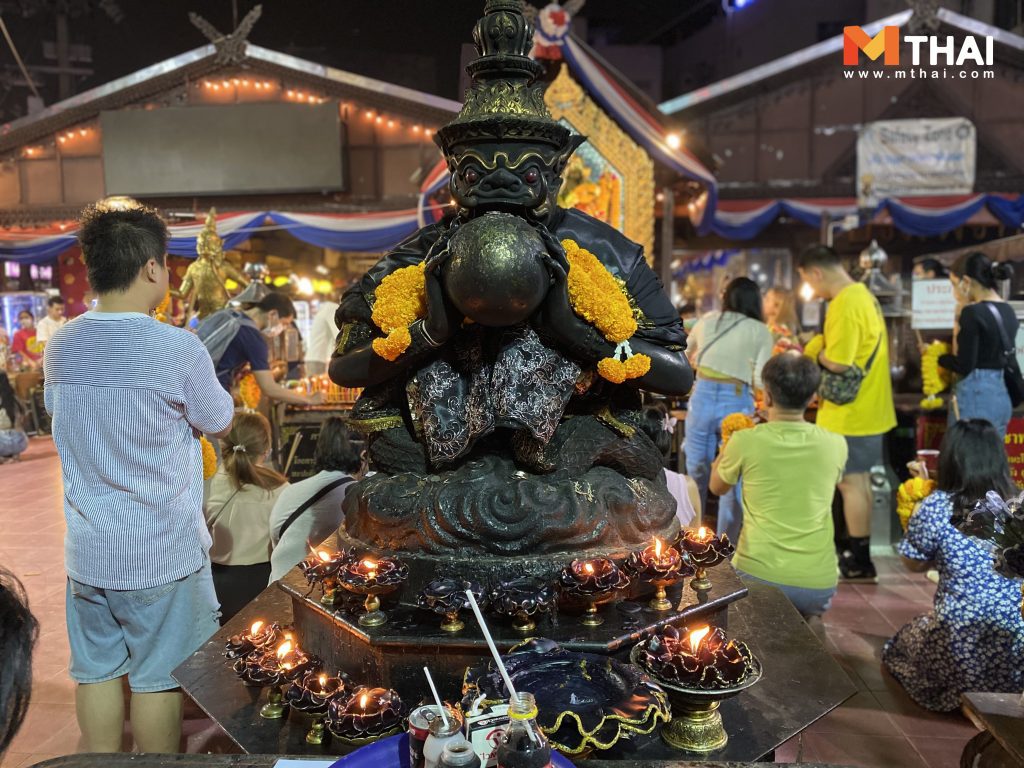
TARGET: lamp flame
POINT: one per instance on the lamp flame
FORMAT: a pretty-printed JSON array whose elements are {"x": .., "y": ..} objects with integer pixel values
[
  {"x": 696, "y": 636},
  {"x": 323, "y": 681},
  {"x": 323, "y": 555},
  {"x": 284, "y": 649},
  {"x": 362, "y": 701},
  {"x": 370, "y": 564},
  {"x": 657, "y": 547},
  {"x": 256, "y": 627},
  {"x": 702, "y": 533},
  {"x": 588, "y": 568}
]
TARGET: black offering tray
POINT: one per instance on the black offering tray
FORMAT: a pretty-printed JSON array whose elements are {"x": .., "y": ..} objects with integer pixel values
[{"x": 585, "y": 701}]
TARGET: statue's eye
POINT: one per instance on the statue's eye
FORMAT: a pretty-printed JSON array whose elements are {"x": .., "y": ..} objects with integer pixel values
[
  {"x": 471, "y": 176},
  {"x": 532, "y": 176}
]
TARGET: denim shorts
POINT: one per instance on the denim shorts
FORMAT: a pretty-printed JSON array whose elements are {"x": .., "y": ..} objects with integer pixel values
[
  {"x": 144, "y": 633},
  {"x": 810, "y": 602}
]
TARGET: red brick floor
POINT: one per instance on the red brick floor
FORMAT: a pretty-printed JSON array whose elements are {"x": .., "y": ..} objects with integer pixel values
[{"x": 878, "y": 728}]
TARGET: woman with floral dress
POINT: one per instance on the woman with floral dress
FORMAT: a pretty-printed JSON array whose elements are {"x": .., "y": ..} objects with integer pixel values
[{"x": 973, "y": 639}]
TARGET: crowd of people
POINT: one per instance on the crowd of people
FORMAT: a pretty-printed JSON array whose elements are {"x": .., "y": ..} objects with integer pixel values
[{"x": 145, "y": 392}]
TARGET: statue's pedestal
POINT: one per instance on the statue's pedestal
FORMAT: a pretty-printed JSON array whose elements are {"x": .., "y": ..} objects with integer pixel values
[{"x": 393, "y": 654}]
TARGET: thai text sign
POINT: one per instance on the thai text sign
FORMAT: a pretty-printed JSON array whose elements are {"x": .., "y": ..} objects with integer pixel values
[
  {"x": 932, "y": 305},
  {"x": 900, "y": 158}
]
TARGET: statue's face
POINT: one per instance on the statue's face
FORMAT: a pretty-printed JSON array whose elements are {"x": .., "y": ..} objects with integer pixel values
[
  {"x": 209, "y": 245},
  {"x": 505, "y": 177}
]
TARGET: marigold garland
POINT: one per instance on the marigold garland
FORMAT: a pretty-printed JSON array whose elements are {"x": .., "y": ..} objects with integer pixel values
[
  {"x": 733, "y": 423},
  {"x": 599, "y": 299},
  {"x": 162, "y": 311},
  {"x": 934, "y": 378},
  {"x": 209, "y": 458},
  {"x": 910, "y": 495},
  {"x": 400, "y": 301},
  {"x": 249, "y": 391}
]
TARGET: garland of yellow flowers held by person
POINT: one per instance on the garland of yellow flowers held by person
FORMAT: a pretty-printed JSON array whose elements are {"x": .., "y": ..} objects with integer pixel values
[
  {"x": 249, "y": 392},
  {"x": 909, "y": 497},
  {"x": 934, "y": 378},
  {"x": 209, "y": 458},
  {"x": 594, "y": 294}
]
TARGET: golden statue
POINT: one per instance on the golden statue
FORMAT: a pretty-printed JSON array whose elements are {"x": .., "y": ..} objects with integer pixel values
[{"x": 203, "y": 288}]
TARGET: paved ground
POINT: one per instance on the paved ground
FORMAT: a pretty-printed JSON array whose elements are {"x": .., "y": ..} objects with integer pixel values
[{"x": 878, "y": 728}]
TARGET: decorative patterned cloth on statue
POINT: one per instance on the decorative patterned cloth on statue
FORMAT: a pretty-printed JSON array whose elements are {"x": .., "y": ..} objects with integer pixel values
[{"x": 461, "y": 396}]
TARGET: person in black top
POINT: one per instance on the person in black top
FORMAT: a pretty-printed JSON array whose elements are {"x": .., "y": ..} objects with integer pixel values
[{"x": 979, "y": 359}]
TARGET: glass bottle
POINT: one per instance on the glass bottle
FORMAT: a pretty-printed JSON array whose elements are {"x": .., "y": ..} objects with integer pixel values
[
  {"x": 439, "y": 736},
  {"x": 524, "y": 744},
  {"x": 458, "y": 753}
]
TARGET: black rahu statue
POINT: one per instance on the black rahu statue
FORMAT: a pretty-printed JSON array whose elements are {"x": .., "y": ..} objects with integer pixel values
[{"x": 501, "y": 349}]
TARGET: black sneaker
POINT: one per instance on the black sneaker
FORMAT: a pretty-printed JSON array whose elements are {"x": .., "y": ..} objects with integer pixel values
[{"x": 854, "y": 572}]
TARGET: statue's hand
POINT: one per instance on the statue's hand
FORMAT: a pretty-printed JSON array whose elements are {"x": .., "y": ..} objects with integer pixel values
[
  {"x": 442, "y": 319},
  {"x": 438, "y": 253}
]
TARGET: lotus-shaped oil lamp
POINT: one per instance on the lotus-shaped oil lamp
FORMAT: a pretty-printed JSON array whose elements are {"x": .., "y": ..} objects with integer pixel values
[
  {"x": 257, "y": 639},
  {"x": 373, "y": 577},
  {"x": 659, "y": 566},
  {"x": 321, "y": 569},
  {"x": 367, "y": 715},
  {"x": 704, "y": 550},
  {"x": 699, "y": 669},
  {"x": 595, "y": 582},
  {"x": 311, "y": 695},
  {"x": 447, "y": 596},
  {"x": 523, "y": 599},
  {"x": 272, "y": 669}
]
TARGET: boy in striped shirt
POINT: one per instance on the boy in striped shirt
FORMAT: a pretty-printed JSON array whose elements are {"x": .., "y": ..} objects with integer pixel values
[{"x": 129, "y": 396}]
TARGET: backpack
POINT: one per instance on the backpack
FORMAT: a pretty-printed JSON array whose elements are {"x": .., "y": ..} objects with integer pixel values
[{"x": 219, "y": 329}]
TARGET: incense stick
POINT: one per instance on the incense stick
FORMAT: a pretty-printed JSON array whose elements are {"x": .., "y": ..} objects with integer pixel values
[
  {"x": 490, "y": 644},
  {"x": 440, "y": 704}
]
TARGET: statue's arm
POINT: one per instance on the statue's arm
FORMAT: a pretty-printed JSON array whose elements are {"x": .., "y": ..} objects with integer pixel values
[
  {"x": 355, "y": 364},
  {"x": 230, "y": 270}
]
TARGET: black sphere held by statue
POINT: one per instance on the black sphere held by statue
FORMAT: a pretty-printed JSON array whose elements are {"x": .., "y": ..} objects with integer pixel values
[{"x": 494, "y": 275}]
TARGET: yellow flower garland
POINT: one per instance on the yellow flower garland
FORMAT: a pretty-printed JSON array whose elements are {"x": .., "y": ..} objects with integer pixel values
[
  {"x": 934, "y": 378},
  {"x": 249, "y": 391},
  {"x": 163, "y": 309},
  {"x": 401, "y": 301},
  {"x": 209, "y": 458},
  {"x": 597, "y": 298},
  {"x": 593, "y": 292},
  {"x": 733, "y": 423},
  {"x": 910, "y": 495}
]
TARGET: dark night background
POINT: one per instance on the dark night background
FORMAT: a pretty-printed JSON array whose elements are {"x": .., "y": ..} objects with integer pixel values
[{"x": 416, "y": 43}]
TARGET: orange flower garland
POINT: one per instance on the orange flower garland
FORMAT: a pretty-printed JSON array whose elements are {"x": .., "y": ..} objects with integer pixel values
[
  {"x": 597, "y": 298},
  {"x": 400, "y": 301},
  {"x": 209, "y": 458},
  {"x": 249, "y": 391},
  {"x": 162, "y": 311},
  {"x": 733, "y": 423},
  {"x": 909, "y": 497}
]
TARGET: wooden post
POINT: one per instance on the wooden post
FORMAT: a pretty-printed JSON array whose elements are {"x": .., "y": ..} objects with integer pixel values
[{"x": 668, "y": 236}]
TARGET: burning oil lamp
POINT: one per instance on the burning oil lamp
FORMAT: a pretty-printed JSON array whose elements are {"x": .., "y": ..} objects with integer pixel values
[
  {"x": 272, "y": 669},
  {"x": 257, "y": 639},
  {"x": 321, "y": 569},
  {"x": 367, "y": 715},
  {"x": 447, "y": 596},
  {"x": 699, "y": 669},
  {"x": 659, "y": 566},
  {"x": 704, "y": 550},
  {"x": 311, "y": 695},
  {"x": 373, "y": 577},
  {"x": 522, "y": 599},
  {"x": 594, "y": 581}
]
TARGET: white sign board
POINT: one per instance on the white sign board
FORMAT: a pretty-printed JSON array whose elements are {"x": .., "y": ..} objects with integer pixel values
[
  {"x": 897, "y": 158},
  {"x": 932, "y": 305}
]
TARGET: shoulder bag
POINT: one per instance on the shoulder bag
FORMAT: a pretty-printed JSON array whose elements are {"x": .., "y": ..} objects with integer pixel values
[
  {"x": 310, "y": 502},
  {"x": 843, "y": 388},
  {"x": 1011, "y": 368}
]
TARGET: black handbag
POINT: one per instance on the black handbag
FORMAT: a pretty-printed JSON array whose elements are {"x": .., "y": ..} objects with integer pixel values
[{"x": 1011, "y": 368}]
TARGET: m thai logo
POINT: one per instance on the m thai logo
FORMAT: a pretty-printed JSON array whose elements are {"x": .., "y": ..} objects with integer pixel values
[{"x": 885, "y": 42}]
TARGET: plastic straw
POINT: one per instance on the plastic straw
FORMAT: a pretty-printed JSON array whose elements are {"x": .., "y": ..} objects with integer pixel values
[
  {"x": 440, "y": 704},
  {"x": 490, "y": 644}
]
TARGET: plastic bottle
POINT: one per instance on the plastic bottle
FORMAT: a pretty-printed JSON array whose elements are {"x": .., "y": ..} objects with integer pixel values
[
  {"x": 458, "y": 753},
  {"x": 524, "y": 744},
  {"x": 439, "y": 736}
]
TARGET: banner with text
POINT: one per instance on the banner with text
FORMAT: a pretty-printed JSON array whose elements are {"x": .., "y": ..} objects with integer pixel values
[{"x": 905, "y": 158}]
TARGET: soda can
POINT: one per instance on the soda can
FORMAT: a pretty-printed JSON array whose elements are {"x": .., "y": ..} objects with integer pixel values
[{"x": 419, "y": 729}]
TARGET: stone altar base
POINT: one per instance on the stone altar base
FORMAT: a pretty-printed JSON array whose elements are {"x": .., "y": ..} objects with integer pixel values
[{"x": 393, "y": 655}]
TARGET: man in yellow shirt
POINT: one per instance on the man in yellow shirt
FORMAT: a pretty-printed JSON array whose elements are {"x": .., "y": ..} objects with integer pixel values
[
  {"x": 854, "y": 335},
  {"x": 789, "y": 469}
]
